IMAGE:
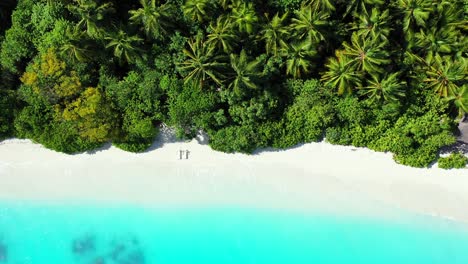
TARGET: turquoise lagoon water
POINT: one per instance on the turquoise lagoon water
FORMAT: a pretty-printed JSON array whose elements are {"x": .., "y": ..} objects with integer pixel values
[{"x": 54, "y": 234}]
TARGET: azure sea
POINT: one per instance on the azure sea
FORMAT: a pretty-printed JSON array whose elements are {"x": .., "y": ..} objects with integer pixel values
[{"x": 59, "y": 234}]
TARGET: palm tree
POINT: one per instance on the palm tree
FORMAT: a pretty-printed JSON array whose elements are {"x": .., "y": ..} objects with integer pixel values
[
  {"x": 415, "y": 13},
  {"x": 366, "y": 55},
  {"x": 72, "y": 49},
  {"x": 308, "y": 24},
  {"x": 340, "y": 74},
  {"x": 90, "y": 14},
  {"x": 244, "y": 17},
  {"x": 444, "y": 75},
  {"x": 460, "y": 99},
  {"x": 321, "y": 5},
  {"x": 221, "y": 35},
  {"x": 197, "y": 10},
  {"x": 124, "y": 46},
  {"x": 374, "y": 25},
  {"x": 153, "y": 16},
  {"x": 202, "y": 63},
  {"x": 388, "y": 88},
  {"x": 299, "y": 58},
  {"x": 274, "y": 34},
  {"x": 225, "y": 4},
  {"x": 434, "y": 41},
  {"x": 356, "y": 6},
  {"x": 245, "y": 72}
]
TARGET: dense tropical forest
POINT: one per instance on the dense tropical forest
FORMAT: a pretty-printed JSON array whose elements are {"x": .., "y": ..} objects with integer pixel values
[{"x": 390, "y": 75}]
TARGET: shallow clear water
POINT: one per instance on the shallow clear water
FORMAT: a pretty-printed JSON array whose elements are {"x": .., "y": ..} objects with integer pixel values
[{"x": 131, "y": 235}]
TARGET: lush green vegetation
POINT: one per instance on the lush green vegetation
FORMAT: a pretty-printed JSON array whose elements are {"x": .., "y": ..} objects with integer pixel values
[
  {"x": 385, "y": 74},
  {"x": 453, "y": 161}
]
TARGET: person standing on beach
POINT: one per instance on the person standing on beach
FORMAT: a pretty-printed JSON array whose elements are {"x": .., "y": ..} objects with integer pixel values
[
  {"x": 181, "y": 154},
  {"x": 187, "y": 152}
]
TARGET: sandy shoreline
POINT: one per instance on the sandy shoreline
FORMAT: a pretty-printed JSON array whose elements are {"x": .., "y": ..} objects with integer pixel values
[{"x": 315, "y": 176}]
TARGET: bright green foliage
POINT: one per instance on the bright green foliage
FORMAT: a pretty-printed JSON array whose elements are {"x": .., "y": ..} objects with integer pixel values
[
  {"x": 71, "y": 48},
  {"x": 321, "y": 5},
  {"x": 386, "y": 89},
  {"x": 453, "y": 161},
  {"x": 60, "y": 112},
  {"x": 245, "y": 72},
  {"x": 125, "y": 47},
  {"x": 197, "y": 10},
  {"x": 202, "y": 63},
  {"x": 234, "y": 139},
  {"x": 415, "y": 13},
  {"x": 306, "y": 119},
  {"x": 308, "y": 24},
  {"x": 92, "y": 116},
  {"x": 78, "y": 73},
  {"x": 18, "y": 45},
  {"x": 190, "y": 109},
  {"x": 374, "y": 24},
  {"x": 446, "y": 76},
  {"x": 299, "y": 58},
  {"x": 137, "y": 98},
  {"x": 341, "y": 75},
  {"x": 90, "y": 15},
  {"x": 7, "y": 104},
  {"x": 244, "y": 17},
  {"x": 356, "y": 6},
  {"x": 366, "y": 55},
  {"x": 153, "y": 16},
  {"x": 221, "y": 35},
  {"x": 460, "y": 99},
  {"x": 275, "y": 34}
]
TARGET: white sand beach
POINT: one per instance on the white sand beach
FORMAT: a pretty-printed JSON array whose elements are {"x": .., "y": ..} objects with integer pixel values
[{"x": 315, "y": 176}]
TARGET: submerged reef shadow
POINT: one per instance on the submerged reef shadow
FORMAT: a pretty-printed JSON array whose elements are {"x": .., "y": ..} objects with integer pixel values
[
  {"x": 126, "y": 250},
  {"x": 3, "y": 252},
  {"x": 84, "y": 245}
]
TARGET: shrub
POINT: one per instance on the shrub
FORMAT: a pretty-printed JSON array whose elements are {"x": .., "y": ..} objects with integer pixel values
[{"x": 456, "y": 160}]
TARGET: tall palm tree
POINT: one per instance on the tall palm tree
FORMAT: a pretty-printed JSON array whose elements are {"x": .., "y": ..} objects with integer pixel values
[
  {"x": 275, "y": 34},
  {"x": 90, "y": 14},
  {"x": 124, "y": 46},
  {"x": 356, "y": 6},
  {"x": 245, "y": 72},
  {"x": 460, "y": 100},
  {"x": 374, "y": 25},
  {"x": 321, "y": 5},
  {"x": 244, "y": 17},
  {"x": 434, "y": 41},
  {"x": 309, "y": 24},
  {"x": 197, "y": 10},
  {"x": 445, "y": 75},
  {"x": 202, "y": 63},
  {"x": 366, "y": 55},
  {"x": 221, "y": 35},
  {"x": 225, "y": 4},
  {"x": 299, "y": 58},
  {"x": 153, "y": 16},
  {"x": 387, "y": 89},
  {"x": 340, "y": 74},
  {"x": 415, "y": 13},
  {"x": 73, "y": 49}
]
